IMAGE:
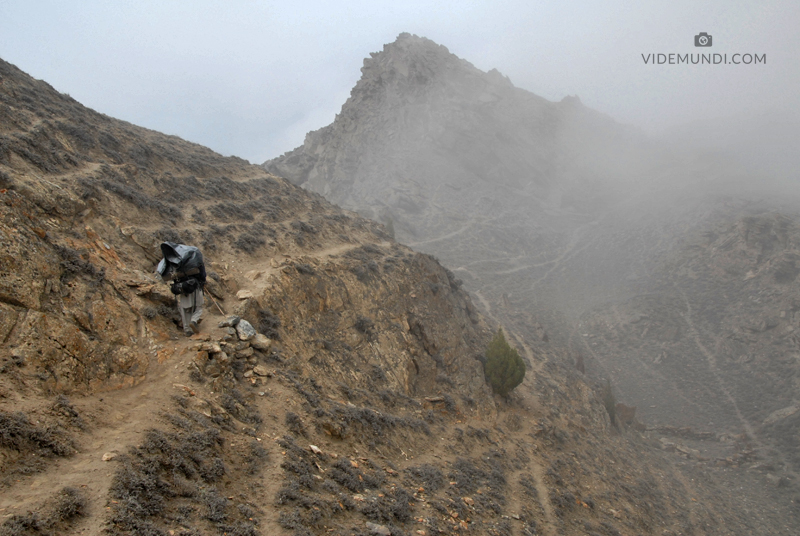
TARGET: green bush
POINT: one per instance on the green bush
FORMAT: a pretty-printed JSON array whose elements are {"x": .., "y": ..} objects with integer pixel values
[{"x": 504, "y": 367}]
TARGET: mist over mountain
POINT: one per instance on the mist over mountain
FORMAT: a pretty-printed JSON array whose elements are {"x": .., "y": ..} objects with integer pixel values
[
  {"x": 494, "y": 179},
  {"x": 667, "y": 265}
]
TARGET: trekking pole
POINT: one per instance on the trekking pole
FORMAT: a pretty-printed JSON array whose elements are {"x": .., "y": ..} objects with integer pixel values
[{"x": 215, "y": 303}]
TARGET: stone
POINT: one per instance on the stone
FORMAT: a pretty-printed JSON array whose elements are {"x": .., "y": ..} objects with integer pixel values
[
  {"x": 382, "y": 530},
  {"x": 229, "y": 322},
  {"x": 244, "y": 354},
  {"x": 201, "y": 360},
  {"x": 260, "y": 342},
  {"x": 211, "y": 348},
  {"x": 244, "y": 294},
  {"x": 248, "y": 374},
  {"x": 245, "y": 330},
  {"x": 261, "y": 370},
  {"x": 108, "y": 456}
]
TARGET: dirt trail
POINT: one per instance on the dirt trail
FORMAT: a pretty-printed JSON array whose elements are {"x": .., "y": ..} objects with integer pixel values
[
  {"x": 711, "y": 359},
  {"x": 549, "y": 523},
  {"x": 457, "y": 232},
  {"x": 646, "y": 366},
  {"x": 115, "y": 421}
]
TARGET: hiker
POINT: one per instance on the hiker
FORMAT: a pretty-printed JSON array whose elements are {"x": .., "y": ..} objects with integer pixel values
[{"x": 183, "y": 265}]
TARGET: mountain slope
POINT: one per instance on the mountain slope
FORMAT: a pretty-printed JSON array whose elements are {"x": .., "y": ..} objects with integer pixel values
[
  {"x": 572, "y": 232},
  {"x": 112, "y": 422}
]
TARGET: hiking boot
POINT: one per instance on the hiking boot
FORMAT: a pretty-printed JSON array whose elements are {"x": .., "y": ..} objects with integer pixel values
[
  {"x": 188, "y": 332},
  {"x": 193, "y": 326}
]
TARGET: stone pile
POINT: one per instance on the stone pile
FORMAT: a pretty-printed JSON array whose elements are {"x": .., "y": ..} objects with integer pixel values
[{"x": 239, "y": 348}]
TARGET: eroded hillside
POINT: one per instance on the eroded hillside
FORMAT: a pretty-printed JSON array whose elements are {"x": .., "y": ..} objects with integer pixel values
[
  {"x": 359, "y": 408},
  {"x": 722, "y": 307}
]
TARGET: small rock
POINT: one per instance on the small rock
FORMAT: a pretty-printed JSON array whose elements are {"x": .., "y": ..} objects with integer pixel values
[
  {"x": 211, "y": 348},
  {"x": 778, "y": 481},
  {"x": 248, "y": 374},
  {"x": 244, "y": 294},
  {"x": 315, "y": 449},
  {"x": 244, "y": 354},
  {"x": 260, "y": 342},
  {"x": 469, "y": 501},
  {"x": 230, "y": 322},
  {"x": 245, "y": 330},
  {"x": 261, "y": 370},
  {"x": 383, "y": 530},
  {"x": 108, "y": 456}
]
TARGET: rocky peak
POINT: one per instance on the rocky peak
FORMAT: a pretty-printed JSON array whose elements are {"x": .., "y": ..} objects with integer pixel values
[{"x": 413, "y": 63}]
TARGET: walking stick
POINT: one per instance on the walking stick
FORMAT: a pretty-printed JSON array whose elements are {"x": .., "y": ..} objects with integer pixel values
[{"x": 215, "y": 303}]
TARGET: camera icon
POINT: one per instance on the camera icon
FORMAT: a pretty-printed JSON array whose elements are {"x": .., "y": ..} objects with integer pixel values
[{"x": 702, "y": 40}]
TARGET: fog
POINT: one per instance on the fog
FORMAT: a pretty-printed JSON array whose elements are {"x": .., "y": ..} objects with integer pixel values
[{"x": 250, "y": 78}]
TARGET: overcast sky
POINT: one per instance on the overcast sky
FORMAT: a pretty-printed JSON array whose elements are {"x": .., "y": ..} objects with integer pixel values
[{"x": 250, "y": 78}]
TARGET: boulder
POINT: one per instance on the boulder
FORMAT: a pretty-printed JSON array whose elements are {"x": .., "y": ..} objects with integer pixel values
[{"x": 245, "y": 330}]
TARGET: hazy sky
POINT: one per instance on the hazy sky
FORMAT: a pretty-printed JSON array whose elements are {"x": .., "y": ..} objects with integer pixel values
[{"x": 250, "y": 77}]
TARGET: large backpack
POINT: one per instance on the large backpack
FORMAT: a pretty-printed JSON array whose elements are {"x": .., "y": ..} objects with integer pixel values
[{"x": 185, "y": 266}]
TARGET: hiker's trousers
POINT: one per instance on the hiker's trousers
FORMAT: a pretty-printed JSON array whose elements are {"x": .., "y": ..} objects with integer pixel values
[{"x": 190, "y": 306}]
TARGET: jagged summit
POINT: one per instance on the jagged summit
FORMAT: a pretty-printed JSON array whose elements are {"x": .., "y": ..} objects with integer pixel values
[{"x": 412, "y": 63}]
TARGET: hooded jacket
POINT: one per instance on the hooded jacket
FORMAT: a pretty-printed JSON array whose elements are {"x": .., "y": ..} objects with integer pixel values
[{"x": 181, "y": 261}]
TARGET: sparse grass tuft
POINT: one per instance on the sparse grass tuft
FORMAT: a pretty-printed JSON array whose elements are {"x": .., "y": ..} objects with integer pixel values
[
  {"x": 67, "y": 504},
  {"x": 428, "y": 476},
  {"x": 18, "y": 433},
  {"x": 268, "y": 324}
]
